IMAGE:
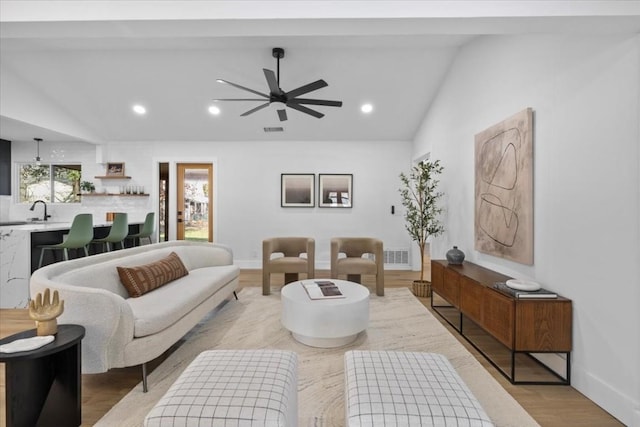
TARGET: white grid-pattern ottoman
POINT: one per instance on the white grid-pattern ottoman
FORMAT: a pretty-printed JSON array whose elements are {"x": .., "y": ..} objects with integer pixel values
[
  {"x": 232, "y": 388},
  {"x": 389, "y": 388}
]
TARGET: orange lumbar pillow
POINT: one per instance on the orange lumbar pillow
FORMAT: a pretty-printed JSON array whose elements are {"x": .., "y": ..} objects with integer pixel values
[{"x": 144, "y": 278}]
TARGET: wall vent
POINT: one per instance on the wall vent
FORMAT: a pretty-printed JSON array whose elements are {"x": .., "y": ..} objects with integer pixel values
[
  {"x": 396, "y": 256},
  {"x": 274, "y": 129}
]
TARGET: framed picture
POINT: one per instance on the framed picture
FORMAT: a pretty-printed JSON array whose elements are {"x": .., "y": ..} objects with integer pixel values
[
  {"x": 115, "y": 169},
  {"x": 297, "y": 190},
  {"x": 335, "y": 191}
]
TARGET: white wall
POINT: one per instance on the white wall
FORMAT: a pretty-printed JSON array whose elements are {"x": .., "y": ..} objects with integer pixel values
[
  {"x": 247, "y": 185},
  {"x": 247, "y": 188},
  {"x": 585, "y": 95}
]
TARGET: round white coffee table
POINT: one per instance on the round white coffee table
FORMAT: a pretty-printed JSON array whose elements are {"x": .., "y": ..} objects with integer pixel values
[{"x": 327, "y": 322}]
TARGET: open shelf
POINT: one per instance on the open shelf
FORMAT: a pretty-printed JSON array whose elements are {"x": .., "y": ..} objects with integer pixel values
[
  {"x": 112, "y": 177},
  {"x": 112, "y": 194}
]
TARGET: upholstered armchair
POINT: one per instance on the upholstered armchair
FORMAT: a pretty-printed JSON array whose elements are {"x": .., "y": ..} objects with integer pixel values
[
  {"x": 287, "y": 259},
  {"x": 353, "y": 264}
]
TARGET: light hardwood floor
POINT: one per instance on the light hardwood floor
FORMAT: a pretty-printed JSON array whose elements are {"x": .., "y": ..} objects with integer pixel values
[{"x": 550, "y": 405}]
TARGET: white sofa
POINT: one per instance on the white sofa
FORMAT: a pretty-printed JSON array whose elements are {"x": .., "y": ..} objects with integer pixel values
[{"x": 123, "y": 331}]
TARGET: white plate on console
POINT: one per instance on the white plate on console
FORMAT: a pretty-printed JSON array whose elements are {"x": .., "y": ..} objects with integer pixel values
[{"x": 523, "y": 285}]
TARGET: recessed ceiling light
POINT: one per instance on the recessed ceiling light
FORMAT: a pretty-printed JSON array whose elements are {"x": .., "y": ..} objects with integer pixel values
[
  {"x": 139, "y": 109},
  {"x": 214, "y": 110},
  {"x": 366, "y": 108}
]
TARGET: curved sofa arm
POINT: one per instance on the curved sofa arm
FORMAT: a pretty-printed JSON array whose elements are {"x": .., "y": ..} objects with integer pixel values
[
  {"x": 335, "y": 251},
  {"x": 107, "y": 319},
  {"x": 356, "y": 247},
  {"x": 267, "y": 250},
  {"x": 204, "y": 254},
  {"x": 311, "y": 258}
]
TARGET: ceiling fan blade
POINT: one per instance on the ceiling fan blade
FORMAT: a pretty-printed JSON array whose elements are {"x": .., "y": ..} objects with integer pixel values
[
  {"x": 306, "y": 110},
  {"x": 282, "y": 114},
  {"x": 307, "y": 88},
  {"x": 238, "y": 99},
  {"x": 253, "y": 110},
  {"x": 242, "y": 87},
  {"x": 316, "y": 102},
  {"x": 271, "y": 81}
]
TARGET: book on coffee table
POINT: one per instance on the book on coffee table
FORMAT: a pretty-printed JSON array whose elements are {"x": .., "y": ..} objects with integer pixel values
[{"x": 322, "y": 289}]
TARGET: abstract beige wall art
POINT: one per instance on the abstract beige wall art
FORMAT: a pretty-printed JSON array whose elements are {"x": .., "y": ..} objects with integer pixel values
[{"x": 504, "y": 189}]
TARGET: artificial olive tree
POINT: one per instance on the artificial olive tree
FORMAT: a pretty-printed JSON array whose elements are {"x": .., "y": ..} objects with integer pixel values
[{"x": 420, "y": 198}]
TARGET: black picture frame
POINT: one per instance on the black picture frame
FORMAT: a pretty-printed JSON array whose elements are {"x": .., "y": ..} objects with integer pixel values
[
  {"x": 297, "y": 190},
  {"x": 335, "y": 190}
]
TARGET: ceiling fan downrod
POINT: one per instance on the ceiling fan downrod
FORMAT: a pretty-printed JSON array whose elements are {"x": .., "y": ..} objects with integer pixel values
[{"x": 278, "y": 53}]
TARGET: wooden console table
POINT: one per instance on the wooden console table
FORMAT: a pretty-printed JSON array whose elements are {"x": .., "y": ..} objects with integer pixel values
[{"x": 489, "y": 318}]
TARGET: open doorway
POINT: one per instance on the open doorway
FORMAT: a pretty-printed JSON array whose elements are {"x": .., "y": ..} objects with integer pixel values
[{"x": 163, "y": 202}]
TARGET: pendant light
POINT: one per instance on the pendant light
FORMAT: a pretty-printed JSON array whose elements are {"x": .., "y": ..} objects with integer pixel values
[{"x": 37, "y": 140}]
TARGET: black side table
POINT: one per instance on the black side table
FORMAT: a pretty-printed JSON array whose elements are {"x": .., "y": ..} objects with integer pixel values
[{"x": 43, "y": 386}]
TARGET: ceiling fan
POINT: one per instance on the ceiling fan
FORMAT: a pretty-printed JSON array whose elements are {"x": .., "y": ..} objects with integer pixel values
[{"x": 289, "y": 99}]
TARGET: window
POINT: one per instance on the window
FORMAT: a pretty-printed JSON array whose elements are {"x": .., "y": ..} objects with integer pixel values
[{"x": 51, "y": 183}]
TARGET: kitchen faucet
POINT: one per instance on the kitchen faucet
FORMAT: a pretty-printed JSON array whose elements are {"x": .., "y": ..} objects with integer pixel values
[{"x": 45, "y": 208}]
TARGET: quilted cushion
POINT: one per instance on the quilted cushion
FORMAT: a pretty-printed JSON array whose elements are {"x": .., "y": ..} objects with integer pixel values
[
  {"x": 356, "y": 265},
  {"x": 247, "y": 388},
  {"x": 144, "y": 278},
  {"x": 394, "y": 388}
]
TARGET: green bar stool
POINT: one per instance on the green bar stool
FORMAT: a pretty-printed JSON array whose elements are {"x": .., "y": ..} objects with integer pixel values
[
  {"x": 80, "y": 235},
  {"x": 117, "y": 233},
  {"x": 147, "y": 229}
]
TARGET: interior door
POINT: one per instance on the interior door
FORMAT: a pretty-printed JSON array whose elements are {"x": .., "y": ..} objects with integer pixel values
[{"x": 194, "y": 202}]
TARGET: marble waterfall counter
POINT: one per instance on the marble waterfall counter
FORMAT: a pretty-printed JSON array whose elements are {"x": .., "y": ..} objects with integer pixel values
[{"x": 19, "y": 255}]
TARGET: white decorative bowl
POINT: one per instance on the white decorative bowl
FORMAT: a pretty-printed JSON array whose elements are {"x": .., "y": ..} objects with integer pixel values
[{"x": 523, "y": 285}]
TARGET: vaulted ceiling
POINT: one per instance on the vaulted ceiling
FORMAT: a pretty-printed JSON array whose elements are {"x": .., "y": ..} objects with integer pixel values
[{"x": 73, "y": 73}]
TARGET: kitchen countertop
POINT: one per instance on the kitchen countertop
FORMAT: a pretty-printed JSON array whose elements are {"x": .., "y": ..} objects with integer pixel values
[
  {"x": 19, "y": 254},
  {"x": 37, "y": 226},
  {"x": 53, "y": 225}
]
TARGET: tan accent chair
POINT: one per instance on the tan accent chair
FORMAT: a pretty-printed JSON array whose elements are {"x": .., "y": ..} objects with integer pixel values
[
  {"x": 354, "y": 265},
  {"x": 291, "y": 263}
]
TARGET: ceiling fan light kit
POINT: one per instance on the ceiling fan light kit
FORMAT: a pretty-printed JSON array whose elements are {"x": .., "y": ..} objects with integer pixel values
[{"x": 276, "y": 94}]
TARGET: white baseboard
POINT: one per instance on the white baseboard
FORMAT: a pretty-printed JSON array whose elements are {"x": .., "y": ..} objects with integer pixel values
[
  {"x": 608, "y": 398},
  {"x": 245, "y": 264}
]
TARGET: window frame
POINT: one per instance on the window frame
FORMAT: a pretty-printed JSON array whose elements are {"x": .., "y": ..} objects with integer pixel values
[{"x": 18, "y": 181}]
